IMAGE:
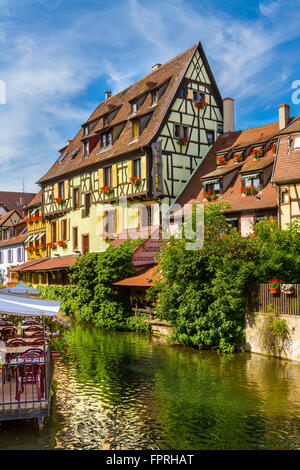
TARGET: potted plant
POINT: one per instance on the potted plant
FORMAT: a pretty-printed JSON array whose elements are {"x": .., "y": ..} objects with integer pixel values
[
  {"x": 257, "y": 153},
  {"x": 221, "y": 160},
  {"x": 182, "y": 140},
  {"x": 273, "y": 147},
  {"x": 42, "y": 246},
  {"x": 135, "y": 180},
  {"x": 59, "y": 344},
  {"x": 274, "y": 286},
  {"x": 288, "y": 289},
  {"x": 107, "y": 189},
  {"x": 62, "y": 243},
  {"x": 59, "y": 200},
  {"x": 51, "y": 245}
]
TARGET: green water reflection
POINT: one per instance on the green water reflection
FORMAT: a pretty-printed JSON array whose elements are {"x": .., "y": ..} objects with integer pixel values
[{"x": 128, "y": 391}]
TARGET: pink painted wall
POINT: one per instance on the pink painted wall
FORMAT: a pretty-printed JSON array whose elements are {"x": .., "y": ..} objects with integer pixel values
[{"x": 247, "y": 223}]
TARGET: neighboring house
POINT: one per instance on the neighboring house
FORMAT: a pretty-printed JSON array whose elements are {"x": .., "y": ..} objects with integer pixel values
[
  {"x": 36, "y": 229},
  {"x": 14, "y": 201},
  {"x": 238, "y": 170},
  {"x": 143, "y": 143},
  {"x": 11, "y": 224},
  {"x": 12, "y": 253},
  {"x": 286, "y": 174}
]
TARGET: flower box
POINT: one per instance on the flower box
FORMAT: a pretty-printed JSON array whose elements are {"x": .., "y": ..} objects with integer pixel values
[
  {"x": 42, "y": 246},
  {"x": 106, "y": 189},
  {"x": 55, "y": 354},
  {"x": 220, "y": 161},
  {"x": 51, "y": 245},
  {"x": 273, "y": 147},
  {"x": 210, "y": 195},
  {"x": 288, "y": 289},
  {"x": 62, "y": 244},
  {"x": 182, "y": 140},
  {"x": 135, "y": 180},
  {"x": 249, "y": 190},
  {"x": 257, "y": 153},
  {"x": 59, "y": 200},
  {"x": 238, "y": 157},
  {"x": 200, "y": 104}
]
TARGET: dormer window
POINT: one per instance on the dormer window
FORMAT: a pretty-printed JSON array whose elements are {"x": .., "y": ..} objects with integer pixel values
[
  {"x": 155, "y": 97},
  {"x": 135, "y": 128},
  {"x": 251, "y": 184},
  {"x": 86, "y": 130},
  {"x": 105, "y": 121},
  {"x": 85, "y": 148},
  {"x": 106, "y": 140},
  {"x": 134, "y": 107},
  {"x": 212, "y": 189}
]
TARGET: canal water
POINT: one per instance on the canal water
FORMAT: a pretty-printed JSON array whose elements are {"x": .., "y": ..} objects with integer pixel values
[{"x": 130, "y": 391}]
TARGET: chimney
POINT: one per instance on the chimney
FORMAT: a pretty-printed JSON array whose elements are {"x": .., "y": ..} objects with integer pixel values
[
  {"x": 284, "y": 115},
  {"x": 228, "y": 115},
  {"x": 107, "y": 95},
  {"x": 155, "y": 67}
]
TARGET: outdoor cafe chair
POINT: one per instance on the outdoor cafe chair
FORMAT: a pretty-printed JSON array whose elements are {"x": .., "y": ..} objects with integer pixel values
[
  {"x": 30, "y": 322},
  {"x": 31, "y": 329},
  {"x": 5, "y": 323},
  {"x": 8, "y": 333},
  {"x": 30, "y": 374}
]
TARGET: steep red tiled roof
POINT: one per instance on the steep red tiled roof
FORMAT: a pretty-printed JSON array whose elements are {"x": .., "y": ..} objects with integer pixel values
[
  {"x": 228, "y": 144},
  {"x": 4, "y": 217},
  {"x": 12, "y": 200},
  {"x": 141, "y": 279},
  {"x": 172, "y": 71},
  {"x": 36, "y": 201},
  {"x": 294, "y": 126},
  {"x": 287, "y": 167},
  {"x": 52, "y": 264}
]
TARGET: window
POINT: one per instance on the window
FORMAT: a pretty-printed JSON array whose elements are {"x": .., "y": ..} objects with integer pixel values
[
  {"x": 86, "y": 130},
  {"x": 134, "y": 107},
  {"x": 252, "y": 180},
  {"x": 10, "y": 256},
  {"x": 85, "y": 148},
  {"x": 198, "y": 96},
  {"x": 154, "y": 96},
  {"x": 181, "y": 131},
  {"x": 53, "y": 232},
  {"x": 106, "y": 139},
  {"x": 284, "y": 196},
  {"x": 61, "y": 189},
  {"x": 182, "y": 92},
  {"x": 220, "y": 129},
  {"x": 135, "y": 128},
  {"x": 75, "y": 238},
  {"x": 136, "y": 168},
  {"x": 1, "y": 257},
  {"x": 76, "y": 198},
  {"x": 213, "y": 185},
  {"x": 64, "y": 230},
  {"x": 105, "y": 121},
  {"x": 108, "y": 176},
  {"x": 210, "y": 135},
  {"x": 110, "y": 221},
  {"x": 87, "y": 203},
  {"x": 19, "y": 254}
]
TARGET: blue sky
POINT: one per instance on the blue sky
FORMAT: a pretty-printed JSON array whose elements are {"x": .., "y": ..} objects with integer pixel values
[{"x": 58, "y": 57}]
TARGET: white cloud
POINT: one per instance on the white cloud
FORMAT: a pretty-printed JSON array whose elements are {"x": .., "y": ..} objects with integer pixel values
[{"x": 48, "y": 67}]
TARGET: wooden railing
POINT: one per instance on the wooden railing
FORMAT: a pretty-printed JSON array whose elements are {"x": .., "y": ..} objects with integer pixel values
[{"x": 260, "y": 300}]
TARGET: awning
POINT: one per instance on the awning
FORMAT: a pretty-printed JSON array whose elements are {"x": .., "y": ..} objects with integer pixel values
[
  {"x": 41, "y": 235},
  {"x": 216, "y": 180},
  {"x": 34, "y": 237},
  {"x": 254, "y": 175},
  {"x": 15, "y": 305},
  {"x": 28, "y": 239},
  {"x": 20, "y": 289}
]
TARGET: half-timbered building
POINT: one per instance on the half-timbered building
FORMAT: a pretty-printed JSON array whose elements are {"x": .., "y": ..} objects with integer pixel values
[{"x": 143, "y": 144}]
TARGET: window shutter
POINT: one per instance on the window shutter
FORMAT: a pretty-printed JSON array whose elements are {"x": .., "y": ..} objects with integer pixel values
[
  {"x": 190, "y": 94},
  {"x": 207, "y": 99},
  {"x": 143, "y": 168},
  {"x": 68, "y": 229},
  {"x": 100, "y": 178},
  {"x": 58, "y": 231},
  {"x": 129, "y": 169},
  {"x": 114, "y": 176},
  {"x": 48, "y": 232},
  {"x": 55, "y": 190},
  {"x": 66, "y": 189}
]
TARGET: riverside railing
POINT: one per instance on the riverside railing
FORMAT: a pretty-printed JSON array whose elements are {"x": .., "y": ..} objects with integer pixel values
[{"x": 261, "y": 299}]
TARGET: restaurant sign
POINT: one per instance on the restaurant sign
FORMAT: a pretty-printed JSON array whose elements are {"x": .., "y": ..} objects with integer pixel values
[{"x": 146, "y": 253}]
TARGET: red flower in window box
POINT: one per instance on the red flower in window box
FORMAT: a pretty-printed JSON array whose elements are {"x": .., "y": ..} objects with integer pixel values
[
  {"x": 42, "y": 246},
  {"x": 51, "y": 245},
  {"x": 274, "y": 286},
  {"x": 182, "y": 140},
  {"x": 273, "y": 147},
  {"x": 257, "y": 153},
  {"x": 62, "y": 243},
  {"x": 26, "y": 220},
  {"x": 31, "y": 249},
  {"x": 106, "y": 189},
  {"x": 59, "y": 200},
  {"x": 201, "y": 104},
  {"x": 238, "y": 157},
  {"x": 249, "y": 190},
  {"x": 220, "y": 161},
  {"x": 210, "y": 195},
  {"x": 135, "y": 180}
]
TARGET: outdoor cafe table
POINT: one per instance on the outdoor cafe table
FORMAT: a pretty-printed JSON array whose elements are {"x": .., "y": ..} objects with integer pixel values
[{"x": 21, "y": 349}]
